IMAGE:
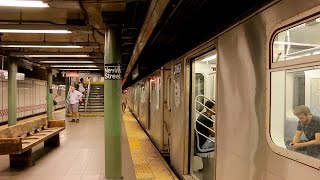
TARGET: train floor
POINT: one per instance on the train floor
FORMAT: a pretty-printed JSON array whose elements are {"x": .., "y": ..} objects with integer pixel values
[{"x": 81, "y": 154}]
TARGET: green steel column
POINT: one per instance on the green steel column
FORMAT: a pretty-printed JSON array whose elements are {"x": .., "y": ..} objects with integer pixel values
[
  {"x": 66, "y": 93},
  {"x": 12, "y": 93},
  {"x": 112, "y": 107},
  {"x": 49, "y": 94}
]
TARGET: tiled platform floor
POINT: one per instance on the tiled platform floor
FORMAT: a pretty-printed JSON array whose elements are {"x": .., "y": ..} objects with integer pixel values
[
  {"x": 79, "y": 157},
  {"x": 81, "y": 154}
]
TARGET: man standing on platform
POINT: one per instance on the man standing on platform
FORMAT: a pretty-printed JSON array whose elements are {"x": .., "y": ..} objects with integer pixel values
[{"x": 74, "y": 98}]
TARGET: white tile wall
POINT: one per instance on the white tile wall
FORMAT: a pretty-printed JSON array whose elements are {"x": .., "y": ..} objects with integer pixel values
[{"x": 30, "y": 92}]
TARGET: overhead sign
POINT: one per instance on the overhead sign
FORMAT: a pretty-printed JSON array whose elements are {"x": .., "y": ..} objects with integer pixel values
[
  {"x": 90, "y": 74},
  {"x": 4, "y": 75},
  {"x": 72, "y": 74},
  {"x": 112, "y": 72}
]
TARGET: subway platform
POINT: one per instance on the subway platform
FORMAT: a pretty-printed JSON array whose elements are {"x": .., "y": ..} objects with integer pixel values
[{"x": 80, "y": 155}]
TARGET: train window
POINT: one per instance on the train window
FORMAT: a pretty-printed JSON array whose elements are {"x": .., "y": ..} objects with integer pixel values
[
  {"x": 298, "y": 41},
  {"x": 199, "y": 90},
  {"x": 295, "y": 112}
]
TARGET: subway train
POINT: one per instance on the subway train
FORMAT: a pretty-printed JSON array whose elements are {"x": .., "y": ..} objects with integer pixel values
[{"x": 256, "y": 72}]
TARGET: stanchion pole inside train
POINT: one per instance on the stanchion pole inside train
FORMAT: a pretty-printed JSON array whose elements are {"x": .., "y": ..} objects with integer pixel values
[
  {"x": 112, "y": 103},
  {"x": 49, "y": 94},
  {"x": 12, "y": 93}
]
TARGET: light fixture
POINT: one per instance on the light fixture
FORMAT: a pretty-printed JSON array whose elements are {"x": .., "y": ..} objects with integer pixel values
[
  {"x": 38, "y": 46},
  {"x": 63, "y": 66},
  {"x": 63, "y": 62},
  {"x": 44, "y": 28},
  {"x": 46, "y": 44},
  {"x": 79, "y": 69},
  {"x": 47, "y": 31},
  {"x": 56, "y": 55},
  {"x": 23, "y": 3},
  {"x": 210, "y": 58}
]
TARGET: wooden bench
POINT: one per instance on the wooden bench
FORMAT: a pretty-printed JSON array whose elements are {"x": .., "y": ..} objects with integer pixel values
[{"x": 18, "y": 140}]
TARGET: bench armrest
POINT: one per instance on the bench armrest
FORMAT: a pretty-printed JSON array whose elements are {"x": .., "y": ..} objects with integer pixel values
[
  {"x": 10, "y": 145},
  {"x": 56, "y": 123}
]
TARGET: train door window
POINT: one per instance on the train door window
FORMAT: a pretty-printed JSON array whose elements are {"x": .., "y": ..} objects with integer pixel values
[
  {"x": 202, "y": 119},
  {"x": 199, "y": 90},
  {"x": 295, "y": 93}
]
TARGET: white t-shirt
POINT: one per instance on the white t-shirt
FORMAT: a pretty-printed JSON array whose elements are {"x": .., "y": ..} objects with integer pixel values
[{"x": 75, "y": 97}]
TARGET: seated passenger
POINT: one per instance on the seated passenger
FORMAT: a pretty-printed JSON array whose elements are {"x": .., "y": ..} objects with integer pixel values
[
  {"x": 203, "y": 142},
  {"x": 310, "y": 126}
]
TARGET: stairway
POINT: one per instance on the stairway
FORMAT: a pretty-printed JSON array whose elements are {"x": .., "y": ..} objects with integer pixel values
[{"x": 95, "y": 100}]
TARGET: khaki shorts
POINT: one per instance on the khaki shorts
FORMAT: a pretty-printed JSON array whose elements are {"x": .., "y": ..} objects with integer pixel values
[{"x": 73, "y": 108}]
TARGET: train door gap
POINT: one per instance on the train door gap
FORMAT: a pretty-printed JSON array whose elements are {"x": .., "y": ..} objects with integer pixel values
[{"x": 202, "y": 123}]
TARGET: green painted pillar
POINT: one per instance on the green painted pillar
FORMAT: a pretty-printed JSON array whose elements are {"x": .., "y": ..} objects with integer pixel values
[
  {"x": 12, "y": 93},
  {"x": 66, "y": 93},
  {"x": 112, "y": 104},
  {"x": 49, "y": 94}
]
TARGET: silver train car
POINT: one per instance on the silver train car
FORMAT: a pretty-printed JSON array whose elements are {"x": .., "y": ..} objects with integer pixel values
[{"x": 257, "y": 71}]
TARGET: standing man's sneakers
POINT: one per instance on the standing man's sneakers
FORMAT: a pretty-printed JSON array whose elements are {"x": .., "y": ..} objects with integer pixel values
[
  {"x": 77, "y": 121},
  {"x": 72, "y": 120}
]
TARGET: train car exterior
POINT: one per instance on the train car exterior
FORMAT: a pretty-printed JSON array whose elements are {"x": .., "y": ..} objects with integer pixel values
[{"x": 266, "y": 65}]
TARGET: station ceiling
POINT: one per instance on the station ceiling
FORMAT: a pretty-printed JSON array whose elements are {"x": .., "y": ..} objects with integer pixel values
[{"x": 152, "y": 32}]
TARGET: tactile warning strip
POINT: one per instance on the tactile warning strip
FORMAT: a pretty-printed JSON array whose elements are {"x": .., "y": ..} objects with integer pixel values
[{"x": 147, "y": 161}]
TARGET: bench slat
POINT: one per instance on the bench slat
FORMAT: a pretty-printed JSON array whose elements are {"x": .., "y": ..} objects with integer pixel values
[{"x": 44, "y": 137}]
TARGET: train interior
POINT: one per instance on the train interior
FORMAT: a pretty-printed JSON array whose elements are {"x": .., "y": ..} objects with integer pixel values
[{"x": 203, "y": 75}]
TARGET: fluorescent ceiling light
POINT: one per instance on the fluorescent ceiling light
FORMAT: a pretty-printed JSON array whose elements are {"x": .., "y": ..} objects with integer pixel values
[
  {"x": 210, "y": 58},
  {"x": 62, "y": 62},
  {"x": 48, "y": 31},
  {"x": 38, "y": 46},
  {"x": 57, "y": 55},
  {"x": 23, "y": 3},
  {"x": 79, "y": 69},
  {"x": 89, "y": 66},
  {"x": 295, "y": 43}
]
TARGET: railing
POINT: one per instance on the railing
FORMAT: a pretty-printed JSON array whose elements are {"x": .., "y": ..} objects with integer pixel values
[
  {"x": 87, "y": 97},
  {"x": 201, "y": 114}
]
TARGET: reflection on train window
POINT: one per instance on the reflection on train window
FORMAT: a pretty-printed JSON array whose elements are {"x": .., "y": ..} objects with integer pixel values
[
  {"x": 143, "y": 93},
  {"x": 297, "y": 42},
  {"x": 295, "y": 110},
  {"x": 199, "y": 90},
  {"x": 158, "y": 84}
]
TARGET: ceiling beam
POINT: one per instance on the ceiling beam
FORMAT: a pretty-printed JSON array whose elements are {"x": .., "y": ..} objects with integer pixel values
[{"x": 157, "y": 7}]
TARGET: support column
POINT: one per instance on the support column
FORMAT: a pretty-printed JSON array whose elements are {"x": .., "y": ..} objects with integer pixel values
[
  {"x": 12, "y": 93},
  {"x": 49, "y": 94},
  {"x": 66, "y": 93},
  {"x": 112, "y": 104}
]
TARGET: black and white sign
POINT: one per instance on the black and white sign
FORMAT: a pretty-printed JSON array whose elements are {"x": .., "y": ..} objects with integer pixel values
[{"x": 112, "y": 72}]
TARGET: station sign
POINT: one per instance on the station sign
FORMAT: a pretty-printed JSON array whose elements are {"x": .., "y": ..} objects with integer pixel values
[
  {"x": 72, "y": 74},
  {"x": 112, "y": 72},
  {"x": 4, "y": 75}
]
